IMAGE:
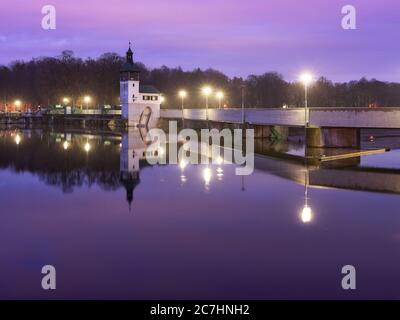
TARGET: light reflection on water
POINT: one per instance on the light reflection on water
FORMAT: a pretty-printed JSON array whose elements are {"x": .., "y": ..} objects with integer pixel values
[{"x": 115, "y": 227}]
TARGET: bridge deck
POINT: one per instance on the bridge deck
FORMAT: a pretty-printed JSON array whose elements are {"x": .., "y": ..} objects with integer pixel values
[{"x": 295, "y": 117}]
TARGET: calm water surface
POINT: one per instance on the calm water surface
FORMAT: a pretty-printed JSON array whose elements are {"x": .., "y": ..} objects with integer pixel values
[{"x": 117, "y": 228}]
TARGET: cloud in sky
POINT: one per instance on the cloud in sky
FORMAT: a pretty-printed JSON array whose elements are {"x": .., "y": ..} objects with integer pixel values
[{"x": 237, "y": 37}]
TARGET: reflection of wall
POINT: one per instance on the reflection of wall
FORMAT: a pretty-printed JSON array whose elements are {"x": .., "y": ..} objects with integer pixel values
[{"x": 132, "y": 151}]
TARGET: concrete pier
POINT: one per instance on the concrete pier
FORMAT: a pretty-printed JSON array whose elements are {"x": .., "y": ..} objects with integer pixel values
[{"x": 332, "y": 137}]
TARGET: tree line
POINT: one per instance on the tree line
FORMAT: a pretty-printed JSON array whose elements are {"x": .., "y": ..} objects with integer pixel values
[{"x": 45, "y": 81}]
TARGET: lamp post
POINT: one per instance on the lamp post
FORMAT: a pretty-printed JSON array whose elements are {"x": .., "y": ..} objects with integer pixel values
[
  {"x": 65, "y": 101},
  {"x": 182, "y": 95},
  {"x": 220, "y": 96},
  {"x": 306, "y": 78},
  {"x": 207, "y": 91}
]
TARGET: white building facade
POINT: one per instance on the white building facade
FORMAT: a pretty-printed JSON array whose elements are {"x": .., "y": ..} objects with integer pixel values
[{"x": 140, "y": 103}]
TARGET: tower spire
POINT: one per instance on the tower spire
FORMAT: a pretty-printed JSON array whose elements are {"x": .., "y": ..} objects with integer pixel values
[{"x": 129, "y": 55}]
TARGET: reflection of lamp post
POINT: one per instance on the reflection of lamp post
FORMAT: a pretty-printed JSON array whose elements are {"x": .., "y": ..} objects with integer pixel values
[
  {"x": 65, "y": 145},
  {"x": 182, "y": 164},
  {"x": 207, "y": 175},
  {"x": 306, "y": 213},
  {"x": 87, "y": 147},
  {"x": 207, "y": 91},
  {"x": 306, "y": 79},
  {"x": 243, "y": 87},
  {"x": 220, "y": 96},
  {"x": 182, "y": 95},
  {"x": 17, "y": 139}
]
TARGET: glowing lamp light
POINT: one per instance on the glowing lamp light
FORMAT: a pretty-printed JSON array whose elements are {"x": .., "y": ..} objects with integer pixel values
[
  {"x": 220, "y": 95},
  {"x": 207, "y": 91},
  {"x": 160, "y": 152},
  {"x": 87, "y": 99},
  {"x": 183, "y": 164},
  {"x": 306, "y": 78},
  {"x": 17, "y": 103},
  {"x": 17, "y": 139},
  {"x": 306, "y": 215},
  {"x": 207, "y": 175},
  {"x": 87, "y": 147},
  {"x": 182, "y": 94},
  {"x": 162, "y": 99},
  {"x": 65, "y": 145},
  {"x": 220, "y": 160},
  {"x": 66, "y": 100}
]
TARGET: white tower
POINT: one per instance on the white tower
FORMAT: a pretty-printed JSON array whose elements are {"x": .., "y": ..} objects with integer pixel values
[{"x": 140, "y": 104}]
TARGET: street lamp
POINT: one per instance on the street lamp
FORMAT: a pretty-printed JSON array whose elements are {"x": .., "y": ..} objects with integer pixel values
[
  {"x": 17, "y": 104},
  {"x": 65, "y": 101},
  {"x": 87, "y": 100},
  {"x": 306, "y": 78},
  {"x": 220, "y": 96},
  {"x": 207, "y": 91}
]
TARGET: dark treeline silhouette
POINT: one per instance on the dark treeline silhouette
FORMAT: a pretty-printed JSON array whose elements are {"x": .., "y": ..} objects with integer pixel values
[{"x": 45, "y": 81}]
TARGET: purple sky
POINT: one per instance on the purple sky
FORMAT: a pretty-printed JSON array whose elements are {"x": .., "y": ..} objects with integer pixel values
[{"x": 235, "y": 36}]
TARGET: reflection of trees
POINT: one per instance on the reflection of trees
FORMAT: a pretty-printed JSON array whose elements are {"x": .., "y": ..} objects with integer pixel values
[{"x": 46, "y": 158}]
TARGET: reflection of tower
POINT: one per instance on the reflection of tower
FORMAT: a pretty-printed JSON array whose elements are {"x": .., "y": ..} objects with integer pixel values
[{"x": 133, "y": 150}]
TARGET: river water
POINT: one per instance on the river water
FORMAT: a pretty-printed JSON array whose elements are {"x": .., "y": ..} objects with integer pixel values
[{"x": 113, "y": 228}]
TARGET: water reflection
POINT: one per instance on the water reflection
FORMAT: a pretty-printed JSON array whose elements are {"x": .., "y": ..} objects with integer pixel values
[
  {"x": 183, "y": 242},
  {"x": 306, "y": 213}
]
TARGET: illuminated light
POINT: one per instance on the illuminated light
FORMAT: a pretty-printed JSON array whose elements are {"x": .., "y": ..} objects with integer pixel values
[
  {"x": 162, "y": 99},
  {"x": 220, "y": 173},
  {"x": 371, "y": 138},
  {"x": 17, "y": 139},
  {"x": 207, "y": 175},
  {"x": 87, "y": 147},
  {"x": 220, "y": 95},
  {"x": 207, "y": 91},
  {"x": 306, "y": 78},
  {"x": 120, "y": 145},
  {"x": 161, "y": 151},
  {"x": 87, "y": 99},
  {"x": 306, "y": 215},
  {"x": 65, "y": 145},
  {"x": 183, "y": 178},
  {"x": 183, "y": 164},
  {"x": 220, "y": 160},
  {"x": 182, "y": 94},
  {"x": 17, "y": 103},
  {"x": 284, "y": 106},
  {"x": 66, "y": 100}
]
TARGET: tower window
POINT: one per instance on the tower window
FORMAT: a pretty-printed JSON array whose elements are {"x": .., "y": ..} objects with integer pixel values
[{"x": 133, "y": 84}]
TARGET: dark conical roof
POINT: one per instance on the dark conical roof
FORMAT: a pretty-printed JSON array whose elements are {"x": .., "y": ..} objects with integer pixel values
[{"x": 129, "y": 65}]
